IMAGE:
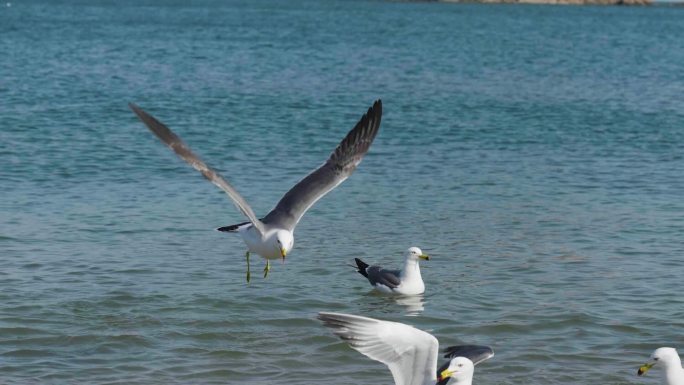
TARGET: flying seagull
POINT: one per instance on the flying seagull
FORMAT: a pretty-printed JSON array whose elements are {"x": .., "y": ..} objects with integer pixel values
[
  {"x": 409, "y": 353},
  {"x": 272, "y": 236},
  {"x": 668, "y": 361},
  {"x": 406, "y": 281}
]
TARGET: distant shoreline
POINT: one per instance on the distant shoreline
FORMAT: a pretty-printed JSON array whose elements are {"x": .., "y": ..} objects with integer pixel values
[{"x": 568, "y": 2}]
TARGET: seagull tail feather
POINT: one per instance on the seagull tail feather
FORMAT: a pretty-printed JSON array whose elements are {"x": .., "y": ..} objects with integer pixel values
[
  {"x": 361, "y": 267},
  {"x": 232, "y": 228}
]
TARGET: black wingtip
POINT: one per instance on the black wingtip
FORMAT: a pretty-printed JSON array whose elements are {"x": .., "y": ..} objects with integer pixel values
[
  {"x": 150, "y": 121},
  {"x": 134, "y": 107},
  {"x": 376, "y": 110}
]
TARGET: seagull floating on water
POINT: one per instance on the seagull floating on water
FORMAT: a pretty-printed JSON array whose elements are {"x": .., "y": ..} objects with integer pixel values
[
  {"x": 409, "y": 353},
  {"x": 668, "y": 361},
  {"x": 406, "y": 281},
  {"x": 272, "y": 236}
]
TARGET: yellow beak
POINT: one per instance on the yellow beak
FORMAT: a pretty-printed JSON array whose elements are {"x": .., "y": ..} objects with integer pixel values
[
  {"x": 283, "y": 252},
  {"x": 445, "y": 374},
  {"x": 644, "y": 368},
  {"x": 424, "y": 256}
]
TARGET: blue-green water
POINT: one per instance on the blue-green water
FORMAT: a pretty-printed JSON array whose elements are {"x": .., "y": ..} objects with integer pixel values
[{"x": 535, "y": 152}]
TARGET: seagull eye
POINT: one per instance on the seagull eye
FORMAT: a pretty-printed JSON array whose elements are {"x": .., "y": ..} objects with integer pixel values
[
  {"x": 459, "y": 365},
  {"x": 655, "y": 358}
]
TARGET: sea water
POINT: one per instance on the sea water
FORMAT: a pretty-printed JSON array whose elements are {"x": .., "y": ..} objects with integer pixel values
[{"x": 535, "y": 152}]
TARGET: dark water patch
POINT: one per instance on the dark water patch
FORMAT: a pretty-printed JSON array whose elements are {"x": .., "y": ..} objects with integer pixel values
[
  {"x": 289, "y": 322},
  {"x": 213, "y": 337},
  {"x": 22, "y": 331},
  {"x": 229, "y": 354},
  {"x": 32, "y": 266},
  {"x": 130, "y": 368},
  {"x": 27, "y": 353},
  {"x": 191, "y": 351},
  {"x": 223, "y": 374},
  {"x": 127, "y": 342},
  {"x": 135, "y": 271},
  {"x": 55, "y": 341}
]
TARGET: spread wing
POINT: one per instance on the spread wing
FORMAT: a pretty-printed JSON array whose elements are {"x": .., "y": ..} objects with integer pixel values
[
  {"x": 335, "y": 170},
  {"x": 183, "y": 151},
  {"x": 410, "y": 354},
  {"x": 475, "y": 353}
]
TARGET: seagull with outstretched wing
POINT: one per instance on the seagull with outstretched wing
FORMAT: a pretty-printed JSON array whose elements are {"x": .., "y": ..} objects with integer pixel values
[
  {"x": 272, "y": 236},
  {"x": 409, "y": 353}
]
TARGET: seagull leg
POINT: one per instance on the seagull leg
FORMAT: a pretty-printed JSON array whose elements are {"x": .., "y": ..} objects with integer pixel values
[
  {"x": 249, "y": 275},
  {"x": 267, "y": 268}
]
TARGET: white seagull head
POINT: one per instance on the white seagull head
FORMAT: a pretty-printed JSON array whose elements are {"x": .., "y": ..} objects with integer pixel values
[
  {"x": 414, "y": 254},
  {"x": 663, "y": 358},
  {"x": 460, "y": 371},
  {"x": 283, "y": 242}
]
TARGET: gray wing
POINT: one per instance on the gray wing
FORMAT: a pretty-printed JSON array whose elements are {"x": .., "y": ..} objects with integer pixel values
[
  {"x": 335, "y": 170},
  {"x": 183, "y": 151},
  {"x": 475, "y": 353},
  {"x": 379, "y": 276}
]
